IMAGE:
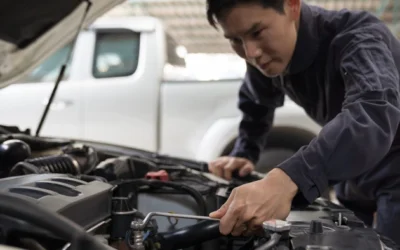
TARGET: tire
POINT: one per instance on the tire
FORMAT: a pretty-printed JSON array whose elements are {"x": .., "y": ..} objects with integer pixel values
[
  {"x": 281, "y": 143},
  {"x": 271, "y": 157}
]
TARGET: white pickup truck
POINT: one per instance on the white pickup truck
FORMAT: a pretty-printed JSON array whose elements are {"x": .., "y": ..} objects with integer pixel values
[{"x": 115, "y": 90}]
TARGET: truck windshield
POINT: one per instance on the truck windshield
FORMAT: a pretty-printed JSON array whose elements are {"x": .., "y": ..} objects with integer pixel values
[{"x": 50, "y": 68}]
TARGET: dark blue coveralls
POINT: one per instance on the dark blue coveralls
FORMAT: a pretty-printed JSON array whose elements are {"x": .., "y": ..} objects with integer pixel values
[{"x": 345, "y": 74}]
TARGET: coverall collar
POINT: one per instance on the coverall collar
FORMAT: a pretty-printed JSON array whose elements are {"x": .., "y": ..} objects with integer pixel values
[{"x": 307, "y": 42}]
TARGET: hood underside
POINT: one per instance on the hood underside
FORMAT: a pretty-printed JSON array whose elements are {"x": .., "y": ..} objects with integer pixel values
[{"x": 31, "y": 30}]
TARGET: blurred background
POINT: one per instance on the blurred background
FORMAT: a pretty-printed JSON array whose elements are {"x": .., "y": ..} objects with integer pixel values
[
  {"x": 154, "y": 75},
  {"x": 187, "y": 24}
]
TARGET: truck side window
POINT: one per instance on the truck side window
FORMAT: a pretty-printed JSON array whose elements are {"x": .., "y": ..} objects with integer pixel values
[
  {"x": 116, "y": 53},
  {"x": 50, "y": 68}
]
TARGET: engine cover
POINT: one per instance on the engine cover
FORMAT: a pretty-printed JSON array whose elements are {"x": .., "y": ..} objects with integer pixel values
[{"x": 85, "y": 203}]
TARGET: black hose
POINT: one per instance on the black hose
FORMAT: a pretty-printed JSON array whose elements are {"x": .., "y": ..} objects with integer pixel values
[
  {"x": 271, "y": 242},
  {"x": 248, "y": 244},
  {"x": 74, "y": 160},
  {"x": 23, "y": 168},
  {"x": 56, "y": 164},
  {"x": 181, "y": 187},
  {"x": 13, "y": 206},
  {"x": 32, "y": 244},
  {"x": 195, "y": 180},
  {"x": 189, "y": 236}
]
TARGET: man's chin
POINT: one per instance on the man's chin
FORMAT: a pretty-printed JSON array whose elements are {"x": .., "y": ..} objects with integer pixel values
[{"x": 271, "y": 73}]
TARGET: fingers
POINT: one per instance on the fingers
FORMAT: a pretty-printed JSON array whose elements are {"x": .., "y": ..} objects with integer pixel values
[
  {"x": 216, "y": 167},
  {"x": 246, "y": 169},
  {"x": 229, "y": 220},
  {"x": 224, "y": 208},
  {"x": 259, "y": 231},
  {"x": 255, "y": 224},
  {"x": 238, "y": 218},
  {"x": 240, "y": 227},
  {"x": 239, "y": 214},
  {"x": 225, "y": 166},
  {"x": 231, "y": 166},
  {"x": 235, "y": 217},
  {"x": 250, "y": 226},
  {"x": 228, "y": 217},
  {"x": 243, "y": 224},
  {"x": 219, "y": 213}
]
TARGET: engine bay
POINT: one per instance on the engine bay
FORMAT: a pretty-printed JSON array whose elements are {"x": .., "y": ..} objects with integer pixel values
[{"x": 64, "y": 194}]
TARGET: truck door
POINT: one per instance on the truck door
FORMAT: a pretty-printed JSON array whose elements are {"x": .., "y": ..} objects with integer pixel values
[
  {"x": 22, "y": 104},
  {"x": 121, "y": 97}
]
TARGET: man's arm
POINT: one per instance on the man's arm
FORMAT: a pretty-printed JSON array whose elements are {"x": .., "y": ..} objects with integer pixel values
[
  {"x": 361, "y": 135},
  {"x": 258, "y": 99}
]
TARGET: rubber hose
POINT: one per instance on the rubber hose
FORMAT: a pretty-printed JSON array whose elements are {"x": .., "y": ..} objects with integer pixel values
[
  {"x": 248, "y": 244},
  {"x": 23, "y": 168},
  {"x": 190, "y": 236},
  {"x": 74, "y": 161},
  {"x": 56, "y": 164},
  {"x": 275, "y": 237}
]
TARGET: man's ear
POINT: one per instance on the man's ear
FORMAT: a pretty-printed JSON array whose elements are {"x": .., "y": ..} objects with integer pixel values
[{"x": 293, "y": 9}]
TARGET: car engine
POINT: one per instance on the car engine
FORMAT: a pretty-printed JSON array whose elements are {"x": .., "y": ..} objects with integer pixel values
[{"x": 63, "y": 194}]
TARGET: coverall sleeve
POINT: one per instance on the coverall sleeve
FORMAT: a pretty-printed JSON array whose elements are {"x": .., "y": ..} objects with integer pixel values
[
  {"x": 258, "y": 99},
  {"x": 362, "y": 133}
]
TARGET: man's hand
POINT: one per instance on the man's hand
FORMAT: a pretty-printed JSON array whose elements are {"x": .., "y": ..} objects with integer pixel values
[
  {"x": 251, "y": 204},
  {"x": 226, "y": 165}
]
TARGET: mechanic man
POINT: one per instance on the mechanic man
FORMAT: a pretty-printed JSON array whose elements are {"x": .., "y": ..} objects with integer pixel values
[{"x": 342, "y": 67}]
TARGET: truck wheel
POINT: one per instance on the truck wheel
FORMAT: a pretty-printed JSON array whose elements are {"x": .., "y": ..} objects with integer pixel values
[
  {"x": 272, "y": 157},
  {"x": 281, "y": 143}
]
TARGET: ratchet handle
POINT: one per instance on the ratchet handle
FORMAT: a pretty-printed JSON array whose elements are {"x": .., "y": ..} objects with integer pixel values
[{"x": 252, "y": 176}]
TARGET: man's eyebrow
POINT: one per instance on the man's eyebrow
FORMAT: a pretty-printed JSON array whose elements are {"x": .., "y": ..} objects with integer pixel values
[{"x": 253, "y": 28}]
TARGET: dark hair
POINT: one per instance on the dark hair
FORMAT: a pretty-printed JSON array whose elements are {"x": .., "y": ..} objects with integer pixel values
[{"x": 216, "y": 8}]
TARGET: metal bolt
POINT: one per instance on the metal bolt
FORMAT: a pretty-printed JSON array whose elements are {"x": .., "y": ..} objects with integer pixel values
[{"x": 137, "y": 240}]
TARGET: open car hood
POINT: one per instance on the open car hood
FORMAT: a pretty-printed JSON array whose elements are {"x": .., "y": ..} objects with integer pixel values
[{"x": 31, "y": 30}]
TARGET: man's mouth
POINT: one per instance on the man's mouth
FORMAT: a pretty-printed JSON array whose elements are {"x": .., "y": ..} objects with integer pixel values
[{"x": 264, "y": 65}]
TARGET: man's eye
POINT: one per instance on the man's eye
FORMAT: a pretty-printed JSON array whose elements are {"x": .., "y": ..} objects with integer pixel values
[
  {"x": 236, "y": 41},
  {"x": 256, "y": 33}
]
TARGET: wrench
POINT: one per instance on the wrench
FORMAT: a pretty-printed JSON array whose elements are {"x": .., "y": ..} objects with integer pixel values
[{"x": 142, "y": 225}]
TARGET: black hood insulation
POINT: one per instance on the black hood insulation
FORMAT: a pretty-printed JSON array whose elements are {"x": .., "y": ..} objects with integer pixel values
[{"x": 34, "y": 18}]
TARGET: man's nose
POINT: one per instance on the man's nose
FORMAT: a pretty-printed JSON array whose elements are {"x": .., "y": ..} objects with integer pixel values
[{"x": 252, "y": 50}]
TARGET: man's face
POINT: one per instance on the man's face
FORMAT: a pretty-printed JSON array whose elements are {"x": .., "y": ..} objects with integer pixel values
[{"x": 262, "y": 36}]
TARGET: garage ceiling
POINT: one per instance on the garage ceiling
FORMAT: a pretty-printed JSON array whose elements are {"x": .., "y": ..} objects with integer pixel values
[{"x": 187, "y": 22}]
